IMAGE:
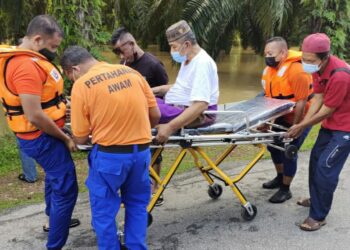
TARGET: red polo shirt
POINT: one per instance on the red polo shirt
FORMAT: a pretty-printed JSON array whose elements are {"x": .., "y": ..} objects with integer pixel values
[{"x": 336, "y": 94}]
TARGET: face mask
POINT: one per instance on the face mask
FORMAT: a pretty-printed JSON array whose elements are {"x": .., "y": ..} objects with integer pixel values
[
  {"x": 136, "y": 56},
  {"x": 271, "y": 61},
  {"x": 310, "y": 68},
  {"x": 74, "y": 77},
  {"x": 48, "y": 54},
  {"x": 177, "y": 57}
]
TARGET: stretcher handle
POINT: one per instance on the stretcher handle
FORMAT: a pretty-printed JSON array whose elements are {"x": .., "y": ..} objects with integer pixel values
[
  {"x": 277, "y": 126},
  {"x": 216, "y": 112}
]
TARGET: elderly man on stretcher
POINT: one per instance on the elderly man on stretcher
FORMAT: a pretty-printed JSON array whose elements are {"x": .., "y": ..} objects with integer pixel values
[{"x": 196, "y": 88}]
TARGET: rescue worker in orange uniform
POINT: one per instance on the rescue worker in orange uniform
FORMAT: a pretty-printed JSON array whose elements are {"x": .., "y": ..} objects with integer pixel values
[
  {"x": 284, "y": 78},
  {"x": 114, "y": 104},
  {"x": 31, "y": 93}
]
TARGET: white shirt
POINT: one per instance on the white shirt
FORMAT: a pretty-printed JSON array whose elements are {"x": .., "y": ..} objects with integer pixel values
[{"x": 196, "y": 81}]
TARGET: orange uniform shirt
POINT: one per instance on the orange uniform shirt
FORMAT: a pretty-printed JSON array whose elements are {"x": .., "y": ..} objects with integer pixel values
[
  {"x": 24, "y": 76},
  {"x": 300, "y": 83},
  {"x": 112, "y": 103}
]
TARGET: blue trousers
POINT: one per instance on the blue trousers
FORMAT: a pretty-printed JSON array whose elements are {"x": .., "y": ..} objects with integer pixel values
[
  {"x": 28, "y": 166},
  {"x": 278, "y": 157},
  {"x": 115, "y": 178},
  {"x": 326, "y": 162},
  {"x": 61, "y": 188}
]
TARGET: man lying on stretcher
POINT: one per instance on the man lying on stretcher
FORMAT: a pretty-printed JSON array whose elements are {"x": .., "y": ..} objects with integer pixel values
[{"x": 196, "y": 88}]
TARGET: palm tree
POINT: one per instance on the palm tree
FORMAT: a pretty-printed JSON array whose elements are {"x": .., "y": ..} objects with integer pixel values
[
  {"x": 330, "y": 17},
  {"x": 215, "y": 21}
]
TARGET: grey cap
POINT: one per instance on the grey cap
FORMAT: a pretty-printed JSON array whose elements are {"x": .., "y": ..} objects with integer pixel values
[{"x": 177, "y": 31}]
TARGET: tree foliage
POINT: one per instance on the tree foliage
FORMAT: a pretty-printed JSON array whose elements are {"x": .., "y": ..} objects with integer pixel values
[
  {"x": 81, "y": 21},
  {"x": 15, "y": 15},
  {"x": 216, "y": 21},
  {"x": 218, "y": 24}
]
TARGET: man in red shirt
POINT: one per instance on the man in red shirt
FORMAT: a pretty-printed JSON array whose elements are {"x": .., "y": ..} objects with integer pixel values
[{"x": 331, "y": 105}]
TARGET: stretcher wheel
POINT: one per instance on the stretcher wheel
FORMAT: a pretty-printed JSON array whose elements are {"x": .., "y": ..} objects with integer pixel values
[
  {"x": 290, "y": 151},
  {"x": 215, "y": 191},
  {"x": 245, "y": 214},
  {"x": 150, "y": 219}
]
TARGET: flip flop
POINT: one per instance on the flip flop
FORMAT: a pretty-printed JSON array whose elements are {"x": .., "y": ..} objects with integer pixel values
[
  {"x": 73, "y": 223},
  {"x": 310, "y": 224},
  {"x": 304, "y": 202}
]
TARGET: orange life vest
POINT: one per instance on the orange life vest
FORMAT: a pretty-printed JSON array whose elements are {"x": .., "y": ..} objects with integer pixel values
[
  {"x": 275, "y": 80},
  {"x": 51, "y": 99}
]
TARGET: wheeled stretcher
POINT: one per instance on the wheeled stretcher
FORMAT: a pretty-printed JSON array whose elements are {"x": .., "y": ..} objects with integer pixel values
[{"x": 235, "y": 125}]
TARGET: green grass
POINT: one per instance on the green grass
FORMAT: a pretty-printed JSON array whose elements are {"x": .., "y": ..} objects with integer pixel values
[
  {"x": 32, "y": 199},
  {"x": 9, "y": 157},
  {"x": 311, "y": 138}
]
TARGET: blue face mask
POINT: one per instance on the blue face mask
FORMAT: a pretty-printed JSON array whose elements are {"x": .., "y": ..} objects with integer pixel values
[
  {"x": 310, "y": 68},
  {"x": 177, "y": 57}
]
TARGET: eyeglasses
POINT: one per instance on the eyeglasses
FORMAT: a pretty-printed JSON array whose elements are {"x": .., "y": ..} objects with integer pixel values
[{"x": 118, "y": 50}]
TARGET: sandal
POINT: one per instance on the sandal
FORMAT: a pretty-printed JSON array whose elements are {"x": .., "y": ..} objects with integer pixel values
[
  {"x": 160, "y": 200},
  {"x": 310, "y": 224},
  {"x": 73, "y": 223},
  {"x": 304, "y": 202},
  {"x": 23, "y": 178}
]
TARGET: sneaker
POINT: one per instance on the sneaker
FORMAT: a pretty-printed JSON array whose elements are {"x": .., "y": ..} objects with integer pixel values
[
  {"x": 274, "y": 183},
  {"x": 23, "y": 178},
  {"x": 281, "y": 196}
]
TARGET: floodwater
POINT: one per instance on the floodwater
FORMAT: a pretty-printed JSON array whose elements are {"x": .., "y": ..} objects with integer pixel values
[{"x": 239, "y": 74}]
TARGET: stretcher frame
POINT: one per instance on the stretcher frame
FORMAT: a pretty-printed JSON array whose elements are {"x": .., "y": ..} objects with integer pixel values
[{"x": 193, "y": 145}]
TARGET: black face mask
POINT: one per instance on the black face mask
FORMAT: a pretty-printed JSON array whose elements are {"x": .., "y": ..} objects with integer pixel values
[
  {"x": 271, "y": 62},
  {"x": 136, "y": 56},
  {"x": 48, "y": 54}
]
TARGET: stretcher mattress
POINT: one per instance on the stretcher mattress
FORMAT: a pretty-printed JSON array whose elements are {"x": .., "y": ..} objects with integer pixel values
[{"x": 235, "y": 117}]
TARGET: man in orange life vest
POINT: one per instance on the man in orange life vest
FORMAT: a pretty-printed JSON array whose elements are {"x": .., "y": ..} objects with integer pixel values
[
  {"x": 31, "y": 93},
  {"x": 284, "y": 78}
]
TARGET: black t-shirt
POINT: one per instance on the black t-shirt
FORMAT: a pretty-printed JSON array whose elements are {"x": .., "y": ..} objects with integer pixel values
[{"x": 151, "y": 69}]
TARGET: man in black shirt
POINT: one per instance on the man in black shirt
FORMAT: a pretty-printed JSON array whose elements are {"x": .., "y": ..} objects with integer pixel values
[{"x": 152, "y": 69}]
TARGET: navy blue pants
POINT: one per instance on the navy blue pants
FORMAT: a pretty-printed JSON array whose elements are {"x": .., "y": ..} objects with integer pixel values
[
  {"x": 61, "y": 188},
  {"x": 278, "y": 156},
  {"x": 115, "y": 178},
  {"x": 326, "y": 162}
]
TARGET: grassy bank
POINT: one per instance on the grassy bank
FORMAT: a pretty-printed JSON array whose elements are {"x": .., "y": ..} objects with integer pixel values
[{"x": 15, "y": 193}]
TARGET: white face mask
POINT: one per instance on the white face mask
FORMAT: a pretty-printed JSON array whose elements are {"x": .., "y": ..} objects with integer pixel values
[{"x": 310, "y": 68}]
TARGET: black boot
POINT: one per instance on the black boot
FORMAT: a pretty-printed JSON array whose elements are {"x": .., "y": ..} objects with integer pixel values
[
  {"x": 281, "y": 195},
  {"x": 274, "y": 183}
]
